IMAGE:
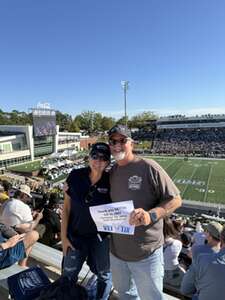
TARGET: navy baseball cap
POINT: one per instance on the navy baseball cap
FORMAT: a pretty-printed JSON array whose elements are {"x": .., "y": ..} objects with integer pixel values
[
  {"x": 101, "y": 148},
  {"x": 120, "y": 129}
]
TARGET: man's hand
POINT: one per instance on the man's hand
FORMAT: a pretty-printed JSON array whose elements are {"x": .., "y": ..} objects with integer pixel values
[
  {"x": 39, "y": 215},
  {"x": 139, "y": 217}
]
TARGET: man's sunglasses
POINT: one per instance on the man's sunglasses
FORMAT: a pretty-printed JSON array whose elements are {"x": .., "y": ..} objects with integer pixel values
[
  {"x": 113, "y": 142},
  {"x": 96, "y": 156}
]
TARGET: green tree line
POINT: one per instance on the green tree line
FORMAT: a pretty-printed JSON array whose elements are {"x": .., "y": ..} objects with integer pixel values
[{"x": 90, "y": 121}]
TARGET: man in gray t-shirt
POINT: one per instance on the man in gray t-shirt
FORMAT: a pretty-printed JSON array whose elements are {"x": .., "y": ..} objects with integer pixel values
[{"x": 137, "y": 260}]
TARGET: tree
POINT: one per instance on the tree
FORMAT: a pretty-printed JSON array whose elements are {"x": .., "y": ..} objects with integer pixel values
[
  {"x": 86, "y": 120},
  {"x": 107, "y": 123},
  {"x": 122, "y": 121},
  {"x": 74, "y": 126},
  {"x": 63, "y": 120},
  {"x": 97, "y": 122},
  {"x": 141, "y": 120}
]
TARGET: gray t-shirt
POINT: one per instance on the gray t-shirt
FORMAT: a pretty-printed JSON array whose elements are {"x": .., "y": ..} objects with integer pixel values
[{"x": 147, "y": 184}]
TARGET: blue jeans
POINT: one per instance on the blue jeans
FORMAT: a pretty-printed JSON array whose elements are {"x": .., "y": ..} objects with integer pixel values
[
  {"x": 96, "y": 254},
  {"x": 139, "y": 279}
]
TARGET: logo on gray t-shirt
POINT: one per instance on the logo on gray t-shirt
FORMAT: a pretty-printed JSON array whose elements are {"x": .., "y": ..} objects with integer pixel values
[{"x": 134, "y": 183}]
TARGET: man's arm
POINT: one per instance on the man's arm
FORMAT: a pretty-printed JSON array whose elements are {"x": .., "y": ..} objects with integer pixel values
[
  {"x": 166, "y": 208},
  {"x": 29, "y": 226},
  {"x": 141, "y": 217}
]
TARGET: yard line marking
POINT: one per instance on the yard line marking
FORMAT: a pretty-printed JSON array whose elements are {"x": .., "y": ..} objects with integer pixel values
[
  {"x": 178, "y": 169},
  {"x": 192, "y": 175},
  {"x": 170, "y": 164},
  {"x": 207, "y": 185}
]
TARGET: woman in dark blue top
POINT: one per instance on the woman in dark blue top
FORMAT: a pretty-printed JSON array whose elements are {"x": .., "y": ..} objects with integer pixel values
[{"x": 80, "y": 239}]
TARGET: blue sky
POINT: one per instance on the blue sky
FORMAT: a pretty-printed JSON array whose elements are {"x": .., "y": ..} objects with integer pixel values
[{"x": 74, "y": 53}]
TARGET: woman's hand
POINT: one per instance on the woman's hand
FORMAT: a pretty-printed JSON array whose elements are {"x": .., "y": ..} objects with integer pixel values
[{"x": 65, "y": 245}]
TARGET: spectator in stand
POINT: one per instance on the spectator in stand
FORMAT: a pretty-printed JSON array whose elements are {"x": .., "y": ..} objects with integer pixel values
[
  {"x": 212, "y": 244},
  {"x": 185, "y": 257},
  {"x": 5, "y": 187},
  {"x": 199, "y": 235},
  {"x": 138, "y": 258},
  {"x": 171, "y": 250},
  {"x": 51, "y": 220},
  {"x": 17, "y": 213},
  {"x": 206, "y": 276},
  {"x": 81, "y": 241},
  {"x": 16, "y": 248}
]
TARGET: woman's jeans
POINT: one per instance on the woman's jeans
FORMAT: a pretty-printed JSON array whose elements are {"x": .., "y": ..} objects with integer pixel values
[
  {"x": 139, "y": 279},
  {"x": 96, "y": 253}
]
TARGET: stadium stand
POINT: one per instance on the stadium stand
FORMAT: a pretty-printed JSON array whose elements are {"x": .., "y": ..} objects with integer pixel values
[
  {"x": 191, "y": 141},
  {"x": 180, "y": 135}
]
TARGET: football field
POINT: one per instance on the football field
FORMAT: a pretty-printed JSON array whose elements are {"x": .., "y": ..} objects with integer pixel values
[{"x": 197, "y": 179}]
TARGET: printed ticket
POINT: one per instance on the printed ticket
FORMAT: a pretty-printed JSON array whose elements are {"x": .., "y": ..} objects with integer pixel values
[{"x": 113, "y": 217}]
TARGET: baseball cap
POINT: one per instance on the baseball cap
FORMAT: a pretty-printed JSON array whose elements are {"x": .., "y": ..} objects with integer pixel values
[
  {"x": 25, "y": 189},
  {"x": 120, "y": 129},
  {"x": 101, "y": 148},
  {"x": 214, "y": 229}
]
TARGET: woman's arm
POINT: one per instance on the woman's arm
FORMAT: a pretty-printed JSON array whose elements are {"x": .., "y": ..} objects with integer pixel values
[{"x": 64, "y": 225}]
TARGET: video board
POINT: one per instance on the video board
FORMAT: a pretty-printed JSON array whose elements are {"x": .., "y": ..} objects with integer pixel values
[{"x": 44, "y": 122}]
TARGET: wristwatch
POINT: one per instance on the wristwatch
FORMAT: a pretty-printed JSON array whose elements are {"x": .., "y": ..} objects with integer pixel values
[{"x": 153, "y": 217}]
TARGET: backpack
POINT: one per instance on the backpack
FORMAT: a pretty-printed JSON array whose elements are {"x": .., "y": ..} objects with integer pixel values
[
  {"x": 63, "y": 289},
  {"x": 27, "y": 284}
]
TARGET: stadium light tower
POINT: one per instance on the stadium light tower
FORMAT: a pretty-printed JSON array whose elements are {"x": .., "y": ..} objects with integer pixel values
[{"x": 125, "y": 86}]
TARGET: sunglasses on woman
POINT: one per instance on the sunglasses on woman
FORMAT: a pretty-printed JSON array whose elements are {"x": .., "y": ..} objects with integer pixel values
[{"x": 98, "y": 156}]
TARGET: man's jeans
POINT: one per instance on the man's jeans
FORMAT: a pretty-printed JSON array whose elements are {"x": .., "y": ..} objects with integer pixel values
[
  {"x": 96, "y": 254},
  {"x": 139, "y": 279}
]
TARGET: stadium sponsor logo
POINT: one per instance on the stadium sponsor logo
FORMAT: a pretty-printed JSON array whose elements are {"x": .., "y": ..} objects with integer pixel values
[{"x": 134, "y": 183}]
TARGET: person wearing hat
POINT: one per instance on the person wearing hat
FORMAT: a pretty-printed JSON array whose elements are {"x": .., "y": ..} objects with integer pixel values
[
  {"x": 17, "y": 213},
  {"x": 138, "y": 258},
  {"x": 205, "y": 278},
  {"x": 88, "y": 186},
  {"x": 212, "y": 245}
]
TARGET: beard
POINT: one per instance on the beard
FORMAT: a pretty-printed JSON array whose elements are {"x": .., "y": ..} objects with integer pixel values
[{"x": 119, "y": 156}]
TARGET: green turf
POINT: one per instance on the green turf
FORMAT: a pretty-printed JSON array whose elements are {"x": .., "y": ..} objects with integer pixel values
[
  {"x": 27, "y": 167},
  {"x": 197, "y": 179}
]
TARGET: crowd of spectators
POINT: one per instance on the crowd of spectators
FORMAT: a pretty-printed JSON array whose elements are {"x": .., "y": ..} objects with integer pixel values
[
  {"x": 189, "y": 242},
  {"x": 208, "y": 142},
  {"x": 194, "y": 257}
]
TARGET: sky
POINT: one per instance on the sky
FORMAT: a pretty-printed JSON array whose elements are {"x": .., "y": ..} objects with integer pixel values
[{"x": 73, "y": 54}]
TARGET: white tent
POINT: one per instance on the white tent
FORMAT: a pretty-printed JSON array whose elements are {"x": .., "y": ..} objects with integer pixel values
[
  {"x": 50, "y": 167},
  {"x": 54, "y": 155}
]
